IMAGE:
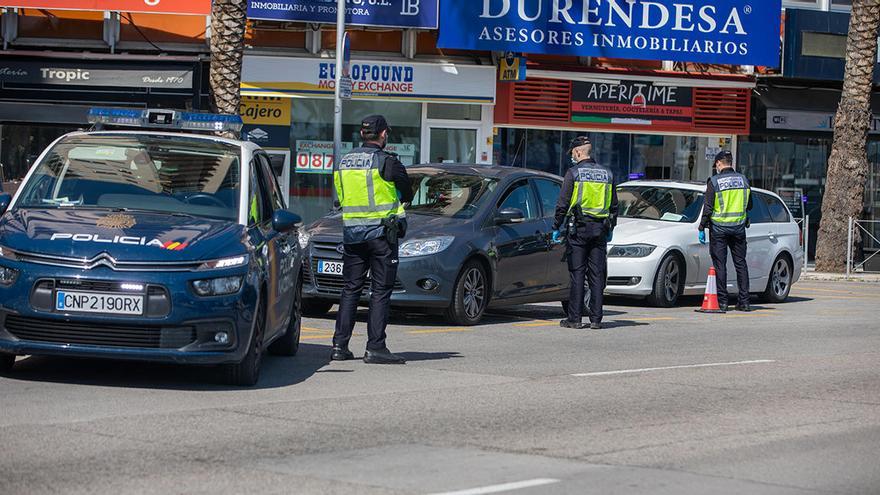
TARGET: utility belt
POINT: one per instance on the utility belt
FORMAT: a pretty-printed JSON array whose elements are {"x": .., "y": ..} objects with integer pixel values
[
  {"x": 392, "y": 228},
  {"x": 576, "y": 218}
]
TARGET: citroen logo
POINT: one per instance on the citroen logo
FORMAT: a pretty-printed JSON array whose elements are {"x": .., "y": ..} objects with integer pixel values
[{"x": 340, "y": 248}]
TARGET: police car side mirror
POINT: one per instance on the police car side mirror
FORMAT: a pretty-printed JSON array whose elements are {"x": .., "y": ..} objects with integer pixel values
[
  {"x": 285, "y": 221},
  {"x": 509, "y": 215},
  {"x": 5, "y": 200}
]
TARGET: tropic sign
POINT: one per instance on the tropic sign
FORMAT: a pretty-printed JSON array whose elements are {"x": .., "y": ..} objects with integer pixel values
[{"x": 739, "y": 32}]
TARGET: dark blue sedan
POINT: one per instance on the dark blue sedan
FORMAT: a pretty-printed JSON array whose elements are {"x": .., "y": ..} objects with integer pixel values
[{"x": 150, "y": 246}]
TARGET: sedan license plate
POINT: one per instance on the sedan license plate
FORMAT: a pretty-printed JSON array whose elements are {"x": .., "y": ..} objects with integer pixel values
[
  {"x": 94, "y": 302},
  {"x": 330, "y": 267}
]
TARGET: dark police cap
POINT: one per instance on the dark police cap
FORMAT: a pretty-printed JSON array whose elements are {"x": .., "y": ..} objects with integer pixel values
[
  {"x": 578, "y": 142},
  {"x": 375, "y": 124},
  {"x": 724, "y": 155}
]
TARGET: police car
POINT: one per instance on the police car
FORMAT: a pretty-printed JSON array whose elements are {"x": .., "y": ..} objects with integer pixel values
[{"x": 149, "y": 245}]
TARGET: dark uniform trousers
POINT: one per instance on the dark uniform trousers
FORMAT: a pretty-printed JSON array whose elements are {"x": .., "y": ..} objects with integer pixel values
[
  {"x": 720, "y": 239},
  {"x": 587, "y": 260},
  {"x": 379, "y": 258}
]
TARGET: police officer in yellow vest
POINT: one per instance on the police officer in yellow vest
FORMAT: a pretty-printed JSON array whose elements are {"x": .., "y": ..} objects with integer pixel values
[
  {"x": 372, "y": 186},
  {"x": 588, "y": 200},
  {"x": 728, "y": 200}
]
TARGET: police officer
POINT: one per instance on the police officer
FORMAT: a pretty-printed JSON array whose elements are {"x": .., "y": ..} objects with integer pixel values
[
  {"x": 728, "y": 200},
  {"x": 372, "y": 186},
  {"x": 588, "y": 200}
]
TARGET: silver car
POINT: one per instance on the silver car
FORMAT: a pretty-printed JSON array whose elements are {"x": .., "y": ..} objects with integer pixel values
[{"x": 655, "y": 252}]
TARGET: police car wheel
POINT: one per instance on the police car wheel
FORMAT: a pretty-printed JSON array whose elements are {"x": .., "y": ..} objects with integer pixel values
[
  {"x": 779, "y": 283},
  {"x": 246, "y": 372},
  {"x": 668, "y": 283},
  {"x": 6, "y": 363},
  {"x": 316, "y": 307},
  {"x": 288, "y": 344},
  {"x": 470, "y": 297}
]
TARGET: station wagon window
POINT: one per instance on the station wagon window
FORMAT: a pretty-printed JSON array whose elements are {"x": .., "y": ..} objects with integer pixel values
[
  {"x": 778, "y": 212},
  {"x": 521, "y": 196},
  {"x": 759, "y": 212},
  {"x": 548, "y": 194}
]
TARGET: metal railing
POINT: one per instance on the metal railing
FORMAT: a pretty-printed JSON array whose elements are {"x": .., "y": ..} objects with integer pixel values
[
  {"x": 804, "y": 224},
  {"x": 856, "y": 225}
]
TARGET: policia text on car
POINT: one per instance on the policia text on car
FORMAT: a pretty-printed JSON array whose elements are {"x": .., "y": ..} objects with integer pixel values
[
  {"x": 372, "y": 186},
  {"x": 728, "y": 200},
  {"x": 587, "y": 207}
]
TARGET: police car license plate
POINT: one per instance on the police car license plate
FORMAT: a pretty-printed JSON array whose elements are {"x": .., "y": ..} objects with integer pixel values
[
  {"x": 93, "y": 302},
  {"x": 330, "y": 267}
]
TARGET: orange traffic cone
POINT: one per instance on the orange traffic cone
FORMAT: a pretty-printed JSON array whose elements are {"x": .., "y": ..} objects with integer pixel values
[{"x": 710, "y": 300}]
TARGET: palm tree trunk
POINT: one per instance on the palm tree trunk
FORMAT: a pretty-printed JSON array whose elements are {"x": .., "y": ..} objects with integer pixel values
[
  {"x": 848, "y": 164},
  {"x": 228, "y": 23}
]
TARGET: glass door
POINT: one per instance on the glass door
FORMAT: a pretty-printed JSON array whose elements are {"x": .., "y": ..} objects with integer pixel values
[{"x": 453, "y": 145}]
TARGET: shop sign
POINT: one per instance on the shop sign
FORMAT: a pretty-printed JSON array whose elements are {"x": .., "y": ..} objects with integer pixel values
[
  {"x": 266, "y": 121},
  {"x": 738, "y": 32},
  {"x": 76, "y": 74},
  {"x": 799, "y": 120},
  {"x": 631, "y": 103},
  {"x": 197, "y": 7},
  {"x": 375, "y": 80},
  {"x": 316, "y": 157},
  {"x": 420, "y": 14}
]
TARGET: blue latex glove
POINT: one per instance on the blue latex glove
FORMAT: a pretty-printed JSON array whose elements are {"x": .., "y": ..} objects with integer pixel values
[
  {"x": 555, "y": 237},
  {"x": 702, "y": 237},
  {"x": 609, "y": 236}
]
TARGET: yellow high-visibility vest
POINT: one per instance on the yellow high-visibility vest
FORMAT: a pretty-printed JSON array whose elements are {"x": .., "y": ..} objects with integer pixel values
[
  {"x": 732, "y": 193},
  {"x": 593, "y": 186},
  {"x": 365, "y": 196}
]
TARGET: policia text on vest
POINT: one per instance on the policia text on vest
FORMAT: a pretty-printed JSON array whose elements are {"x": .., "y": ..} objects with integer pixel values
[
  {"x": 372, "y": 186},
  {"x": 587, "y": 210},
  {"x": 725, "y": 213}
]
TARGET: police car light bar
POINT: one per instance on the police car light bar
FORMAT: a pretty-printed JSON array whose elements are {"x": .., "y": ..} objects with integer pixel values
[{"x": 165, "y": 119}]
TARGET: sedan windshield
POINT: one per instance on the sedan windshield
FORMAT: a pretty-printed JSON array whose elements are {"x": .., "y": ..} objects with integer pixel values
[
  {"x": 449, "y": 194},
  {"x": 167, "y": 174},
  {"x": 660, "y": 203}
]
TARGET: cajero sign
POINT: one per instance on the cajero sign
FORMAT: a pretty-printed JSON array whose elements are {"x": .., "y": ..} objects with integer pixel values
[{"x": 740, "y": 32}]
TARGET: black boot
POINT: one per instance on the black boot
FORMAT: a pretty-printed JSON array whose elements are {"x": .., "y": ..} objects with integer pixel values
[
  {"x": 573, "y": 324},
  {"x": 382, "y": 356},
  {"x": 341, "y": 354}
]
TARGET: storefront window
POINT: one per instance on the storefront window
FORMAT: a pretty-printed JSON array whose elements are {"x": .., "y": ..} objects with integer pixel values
[
  {"x": 311, "y": 136},
  {"x": 447, "y": 111}
]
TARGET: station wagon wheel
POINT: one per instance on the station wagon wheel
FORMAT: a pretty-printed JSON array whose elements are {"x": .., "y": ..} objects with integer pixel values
[
  {"x": 246, "y": 372},
  {"x": 779, "y": 283},
  {"x": 668, "y": 283},
  {"x": 470, "y": 297}
]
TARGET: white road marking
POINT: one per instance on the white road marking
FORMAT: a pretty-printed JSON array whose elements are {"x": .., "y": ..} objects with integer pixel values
[
  {"x": 643, "y": 370},
  {"x": 518, "y": 485}
]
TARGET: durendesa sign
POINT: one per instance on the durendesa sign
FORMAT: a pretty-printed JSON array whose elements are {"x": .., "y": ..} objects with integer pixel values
[
  {"x": 195, "y": 7},
  {"x": 739, "y": 32}
]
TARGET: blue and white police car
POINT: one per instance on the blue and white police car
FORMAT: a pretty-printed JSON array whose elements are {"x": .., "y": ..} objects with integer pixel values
[{"x": 149, "y": 245}]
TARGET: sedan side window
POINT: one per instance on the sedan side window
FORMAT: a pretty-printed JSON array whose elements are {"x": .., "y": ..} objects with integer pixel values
[
  {"x": 777, "y": 210},
  {"x": 521, "y": 196},
  {"x": 548, "y": 194}
]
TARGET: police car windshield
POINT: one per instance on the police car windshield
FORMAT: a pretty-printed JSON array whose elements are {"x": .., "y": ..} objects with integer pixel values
[
  {"x": 450, "y": 195},
  {"x": 167, "y": 174},
  {"x": 665, "y": 204}
]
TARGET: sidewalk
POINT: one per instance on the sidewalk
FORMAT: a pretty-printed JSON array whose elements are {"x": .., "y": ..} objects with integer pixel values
[{"x": 811, "y": 274}]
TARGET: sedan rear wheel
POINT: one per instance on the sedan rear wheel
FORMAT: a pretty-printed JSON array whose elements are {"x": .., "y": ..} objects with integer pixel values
[
  {"x": 779, "y": 285},
  {"x": 471, "y": 295},
  {"x": 247, "y": 372},
  {"x": 668, "y": 283}
]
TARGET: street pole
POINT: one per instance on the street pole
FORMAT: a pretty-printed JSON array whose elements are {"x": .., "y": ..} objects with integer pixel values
[{"x": 337, "y": 98}]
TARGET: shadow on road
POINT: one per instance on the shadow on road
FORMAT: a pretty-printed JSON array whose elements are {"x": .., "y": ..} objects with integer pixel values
[
  {"x": 276, "y": 372},
  {"x": 428, "y": 356}
]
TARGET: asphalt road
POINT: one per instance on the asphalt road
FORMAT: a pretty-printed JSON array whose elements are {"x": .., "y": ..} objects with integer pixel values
[{"x": 783, "y": 400}]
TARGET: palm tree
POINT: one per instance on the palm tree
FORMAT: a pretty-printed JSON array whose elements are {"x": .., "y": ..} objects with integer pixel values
[
  {"x": 228, "y": 23},
  {"x": 848, "y": 164}
]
